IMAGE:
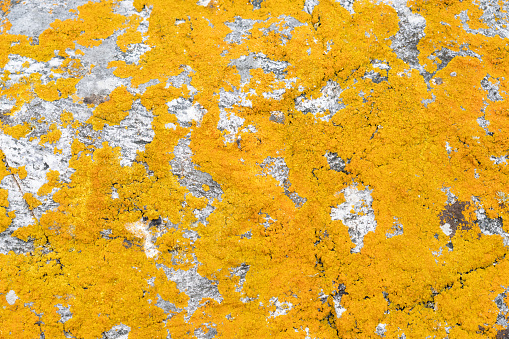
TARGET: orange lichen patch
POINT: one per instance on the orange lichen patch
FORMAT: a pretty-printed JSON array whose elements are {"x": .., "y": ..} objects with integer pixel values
[
  {"x": 52, "y": 136},
  {"x": 5, "y": 219},
  {"x": 94, "y": 29},
  {"x": 57, "y": 89},
  {"x": 53, "y": 182},
  {"x": 66, "y": 118},
  {"x": 156, "y": 97},
  {"x": 483, "y": 310},
  {"x": 132, "y": 35},
  {"x": 20, "y": 91},
  {"x": 4, "y": 169},
  {"x": 32, "y": 201},
  {"x": 5, "y": 5},
  {"x": 17, "y": 131},
  {"x": 71, "y": 66},
  {"x": 195, "y": 203},
  {"x": 5, "y": 25},
  {"x": 74, "y": 229},
  {"x": 419, "y": 281},
  {"x": 20, "y": 171},
  {"x": 124, "y": 70},
  {"x": 18, "y": 321},
  {"x": 113, "y": 111}
]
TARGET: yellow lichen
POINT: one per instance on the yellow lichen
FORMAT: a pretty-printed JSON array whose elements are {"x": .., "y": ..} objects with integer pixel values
[
  {"x": 20, "y": 171},
  {"x": 5, "y": 219},
  {"x": 132, "y": 35},
  {"x": 53, "y": 182},
  {"x": 32, "y": 201},
  {"x": 17, "y": 131},
  {"x": 56, "y": 89},
  {"x": 391, "y": 135},
  {"x": 52, "y": 136},
  {"x": 113, "y": 111}
]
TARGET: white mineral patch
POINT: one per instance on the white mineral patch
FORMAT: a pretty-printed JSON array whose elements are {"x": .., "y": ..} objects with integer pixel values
[
  {"x": 281, "y": 307},
  {"x": 65, "y": 312},
  {"x": 11, "y": 297},
  {"x": 337, "y": 305},
  {"x": 186, "y": 111},
  {"x": 451, "y": 198},
  {"x": 277, "y": 168},
  {"x": 380, "y": 330},
  {"x": 231, "y": 123},
  {"x": 38, "y": 160},
  {"x": 348, "y": 5},
  {"x": 446, "y": 228},
  {"x": 357, "y": 214},
  {"x": 330, "y": 100},
  {"x": 503, "y": 309},
  {"x": 192, "y": 113},
  {"x": 140, "y": 230},
  {"x": 114, "y": 193},
  {"x": 499, "y": 160},
  {"x": 203, "y": 3},
  {"x": 19, "y": 72},
  {"x": 34, "y": 17},
  {"x": 490, "y": 226}
]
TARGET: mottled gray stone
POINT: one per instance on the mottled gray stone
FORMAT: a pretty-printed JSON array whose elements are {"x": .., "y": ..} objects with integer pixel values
[
  {"x": 190, "y": 177},
  {"x": 240, "y": 29},
  {"x": 119, "y": 331},
  {"x": 31, "y": 18},
  {"x": 193, "y": 285},
  {"x": 65, "y": 313}
]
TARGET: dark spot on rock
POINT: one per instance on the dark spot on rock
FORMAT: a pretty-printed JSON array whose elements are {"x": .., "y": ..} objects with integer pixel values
[
  {"x": 503, "y": 334},
  {"x": 127, "y": 243},
  {"x": 277, "y": 117},
  {"x": 155, "y": 222},
  {"x": 341, "y": 290},
  {"x": 438, "y": 81},
  {"x": 5, "y": 117},
  {"x": 95, "y": 99},
  {"x": 34, "y": 41},
  {"x": 453, "y": 215},
  {"x": 336, "y": 163},
  {"x": 257, "y": 4}
]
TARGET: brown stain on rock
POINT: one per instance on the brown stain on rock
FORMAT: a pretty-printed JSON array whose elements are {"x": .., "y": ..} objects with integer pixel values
[
  {"x": 453, "y": 215},
  {"x": 503, "y": 334},
  {"x": 95, "y": 99}
]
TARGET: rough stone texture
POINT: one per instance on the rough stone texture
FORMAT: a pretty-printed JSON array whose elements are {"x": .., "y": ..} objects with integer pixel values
[{"x": 134, "y": 133}]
